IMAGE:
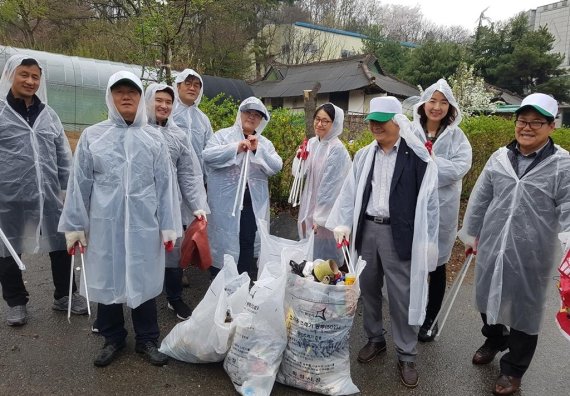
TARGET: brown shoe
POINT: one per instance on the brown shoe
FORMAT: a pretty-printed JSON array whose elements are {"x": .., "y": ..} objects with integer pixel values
[
  {"x": 507, "y": 385},
  {"x": 485, "y": 354},
  {"x": 408, "y": 373},
  {"x": 370, "y": 351}
]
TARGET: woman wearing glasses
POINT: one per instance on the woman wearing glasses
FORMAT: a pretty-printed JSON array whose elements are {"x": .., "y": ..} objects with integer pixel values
[
  {"x": 328, "y": 163},
  {"x": 436, "y": 120}
]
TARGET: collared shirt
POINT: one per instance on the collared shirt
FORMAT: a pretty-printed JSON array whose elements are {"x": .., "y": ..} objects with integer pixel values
[
  {"x": 384, "y": 164},
  {"x": 524, "y": 161},
  {"x": 541, "y": 154}
]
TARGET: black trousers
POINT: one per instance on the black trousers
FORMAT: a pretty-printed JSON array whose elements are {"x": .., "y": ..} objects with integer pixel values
[
  {"x": 521, "y": 347},
  {"x": 13, "y": 289},
  {"x": 111, "y": 322},
  {"x": 247, "y": 230},
  {"x": 173, "y": 283},
  {"x": 436, "y": 291}
]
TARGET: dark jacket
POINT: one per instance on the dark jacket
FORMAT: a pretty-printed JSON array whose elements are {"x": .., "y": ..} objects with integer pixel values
[
  {"x": 30, "y": 114},
  {"x": 407, "y": 179}
]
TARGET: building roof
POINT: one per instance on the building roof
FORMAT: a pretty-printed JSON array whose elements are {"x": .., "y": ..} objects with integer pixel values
[
  {"x": 338, "y": 75},
  {"x": 504, "y": 95}
]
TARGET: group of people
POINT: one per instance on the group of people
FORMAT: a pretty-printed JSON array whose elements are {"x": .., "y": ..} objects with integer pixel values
[{"x": 140, "y": 177}]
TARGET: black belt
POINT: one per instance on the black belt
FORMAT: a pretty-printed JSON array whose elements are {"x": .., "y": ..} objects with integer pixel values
[{"x": 377, "y": 219}]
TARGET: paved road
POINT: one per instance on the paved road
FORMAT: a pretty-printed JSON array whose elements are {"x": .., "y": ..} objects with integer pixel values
[{"x": 50, "y": 356}]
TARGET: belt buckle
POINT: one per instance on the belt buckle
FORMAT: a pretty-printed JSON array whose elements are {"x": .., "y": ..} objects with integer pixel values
[{"x": 379, "y": 219}]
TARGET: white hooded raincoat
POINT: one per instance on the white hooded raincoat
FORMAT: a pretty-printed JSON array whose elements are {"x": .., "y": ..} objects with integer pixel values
[
  {"x": 223, "y": 165},
  {"x": 517, "y": 222},
  {"x": 328, "y": 164},
  {"x": 452, "y": 153},
  {"x": 35, "y": 163},
  {"x": 424, "y": 248},
  {"x": 121, "y": 193},
  {"x": 191, "y": 119}
]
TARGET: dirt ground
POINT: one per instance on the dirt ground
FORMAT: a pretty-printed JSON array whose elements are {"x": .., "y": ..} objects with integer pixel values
[{"x": 73, "y": 137}]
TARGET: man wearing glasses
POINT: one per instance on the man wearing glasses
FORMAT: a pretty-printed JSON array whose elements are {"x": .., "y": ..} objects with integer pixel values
[
  {"x": 186, "y": 114},
  {"x": 517, "y": 212}
]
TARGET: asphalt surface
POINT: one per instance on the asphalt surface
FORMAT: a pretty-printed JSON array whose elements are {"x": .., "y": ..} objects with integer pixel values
[{"x": 49, "y": 356}]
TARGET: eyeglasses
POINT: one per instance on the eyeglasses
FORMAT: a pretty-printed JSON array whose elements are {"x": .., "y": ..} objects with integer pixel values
[
  {"x": 253, "y": 114},
  {"x": 324, "y": 122},
  {"x": 532, "y": 124},
  {"x": 193, "y": 82}
]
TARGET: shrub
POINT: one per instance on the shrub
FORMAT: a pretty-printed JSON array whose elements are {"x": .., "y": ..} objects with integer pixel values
[{"x": 287, "y": 130}]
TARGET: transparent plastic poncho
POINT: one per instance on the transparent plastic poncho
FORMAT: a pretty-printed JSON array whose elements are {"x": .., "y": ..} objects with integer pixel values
[
  {"x": 328, "y": 164},
  {"x": 191, "y": 119},
  {"x": 223, "y": 165},
  {"x": 35, "y": 162},
  {"x": 517, "y": 222},
  {"x": 121, "y": 193},
  {"x": 186, "y": 166},
  {"x": 424, "y": 248},
  {"x": 453, "y": 154}
]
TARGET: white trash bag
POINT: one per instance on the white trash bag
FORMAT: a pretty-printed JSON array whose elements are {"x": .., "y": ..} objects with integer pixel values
[
  {"x": 207, "y": 335},
  {"x": 272, "y": 246},
  {"x": 318, "y": 318},
  {"x": 254, "y": 357}
]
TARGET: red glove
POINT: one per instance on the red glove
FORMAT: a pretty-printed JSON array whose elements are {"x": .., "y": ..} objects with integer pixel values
[{"x": 302, "y": 152}]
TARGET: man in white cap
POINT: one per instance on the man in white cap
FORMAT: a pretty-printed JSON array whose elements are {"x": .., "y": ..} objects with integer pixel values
[
  {"x": 517, "y": 212},
  {"x": 390, "y": 202}
]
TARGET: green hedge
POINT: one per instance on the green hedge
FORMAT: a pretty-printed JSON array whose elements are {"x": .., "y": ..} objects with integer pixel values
[{"x": 287, "y": 130}]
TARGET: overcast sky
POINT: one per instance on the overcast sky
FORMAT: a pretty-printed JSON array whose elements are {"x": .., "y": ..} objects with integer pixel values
[{"x": 466, "y": 12}]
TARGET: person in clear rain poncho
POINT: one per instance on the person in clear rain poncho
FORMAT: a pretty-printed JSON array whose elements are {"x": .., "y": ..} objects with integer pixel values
[
  {"x": 327, "y": 166},
  {"x": 436, "y": 119},
  {"x": 224, "y": 158},
  {"x": 121, "y": 205},
  {"x": 35, "y": 160},
  {"x": 389, "y": 200},
  {"x": 517, "y": 212},
  {"x": 189, "y": 88},
  {"x": 188, "y": 182}
]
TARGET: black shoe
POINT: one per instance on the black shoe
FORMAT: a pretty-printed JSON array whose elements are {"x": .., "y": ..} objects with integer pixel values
[
  {"x": 370, "y": 351},
  {"x": 408, "y": 373},
  {"x": 108, "y": 353},
  {"x": 182, "y": 310},
  {"x": 486, "y": 353},
  {"x": 95, "y": 327},
  {"x": 150, "y": 350},
  {"x": 423, "y": 333}
]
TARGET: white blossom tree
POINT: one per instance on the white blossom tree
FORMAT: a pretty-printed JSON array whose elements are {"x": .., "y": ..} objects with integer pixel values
[{"x": 470, "y": 91}]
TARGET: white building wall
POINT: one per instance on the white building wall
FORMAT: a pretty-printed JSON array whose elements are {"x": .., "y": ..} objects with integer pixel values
[{"x": 556, "y": 17}]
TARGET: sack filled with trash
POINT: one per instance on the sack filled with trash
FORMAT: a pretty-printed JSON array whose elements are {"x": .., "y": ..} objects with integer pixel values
[
  {"x": 207, "y": 335},
  {"x": 254, "y": 357},
  {"x": 319, "y": 317}
]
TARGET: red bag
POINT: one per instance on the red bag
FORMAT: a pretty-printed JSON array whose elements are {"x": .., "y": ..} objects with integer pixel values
[
  {"x": 563, "y": 315},
  {"x": 195, "y": 249}
]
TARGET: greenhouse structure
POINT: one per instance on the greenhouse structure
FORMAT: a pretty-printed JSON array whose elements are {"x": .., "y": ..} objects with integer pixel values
[{"x": 76, "y": 86}]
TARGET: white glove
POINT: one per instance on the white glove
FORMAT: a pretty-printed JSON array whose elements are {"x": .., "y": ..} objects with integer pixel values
[
  {"x": 200, "y": 214},
  {"x": 341, "y": 232},
  {"x": 72, "y": 237},
  {"x": 168, "y": 236}
]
